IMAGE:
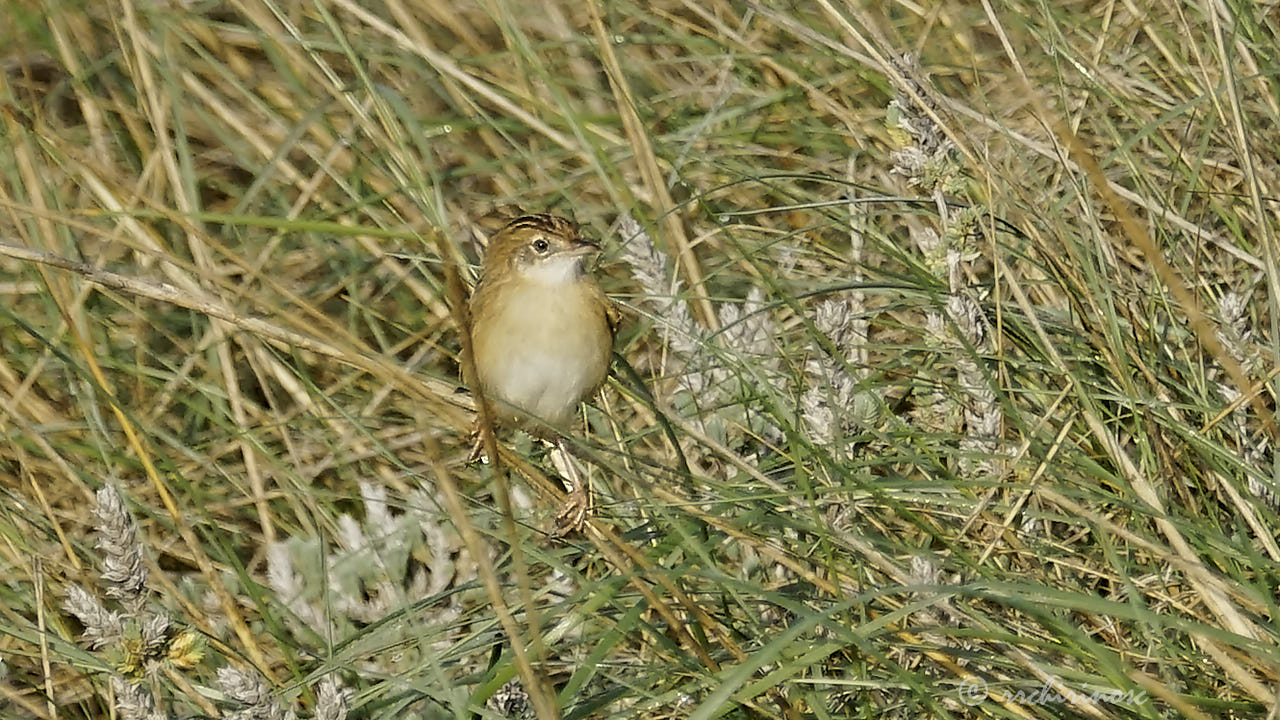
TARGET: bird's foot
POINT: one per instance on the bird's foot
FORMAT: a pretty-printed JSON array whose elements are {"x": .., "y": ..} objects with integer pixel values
[
  {"x": 573, "y": 516},
  {"x": 476, "y": 438},
  {"x": 577, "y": 508}
]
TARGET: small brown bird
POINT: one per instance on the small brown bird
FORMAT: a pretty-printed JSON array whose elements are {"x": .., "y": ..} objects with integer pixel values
[{"x": 541, "y": 330}]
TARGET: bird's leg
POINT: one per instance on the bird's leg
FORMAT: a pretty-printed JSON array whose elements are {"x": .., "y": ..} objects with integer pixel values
[
  {"x": 573, "y": 515},
  {"x": 476, "y": 438}
]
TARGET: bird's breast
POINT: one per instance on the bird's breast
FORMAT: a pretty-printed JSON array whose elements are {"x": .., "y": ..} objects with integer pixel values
[{"x": 542, "y": 348}]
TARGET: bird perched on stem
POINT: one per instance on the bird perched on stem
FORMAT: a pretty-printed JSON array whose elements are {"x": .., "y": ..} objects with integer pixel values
[{"x": 541, "y": 333}]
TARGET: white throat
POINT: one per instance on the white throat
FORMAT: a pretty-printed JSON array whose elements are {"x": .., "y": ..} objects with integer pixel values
[{"x": 557, "y": 270}]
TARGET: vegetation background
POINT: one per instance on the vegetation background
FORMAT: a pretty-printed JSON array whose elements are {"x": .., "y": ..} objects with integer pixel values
[{"x": 945, "y": 386}]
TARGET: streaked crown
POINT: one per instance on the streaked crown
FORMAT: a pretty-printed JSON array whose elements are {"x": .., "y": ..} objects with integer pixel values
[{"x": 531, "y": 240}]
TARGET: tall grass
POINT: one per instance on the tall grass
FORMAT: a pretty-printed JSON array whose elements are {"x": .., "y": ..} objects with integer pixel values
[{"x": 943, "y": 387}]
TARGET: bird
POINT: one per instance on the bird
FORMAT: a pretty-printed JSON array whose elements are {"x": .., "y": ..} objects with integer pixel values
[{"x": 541, "y": 334}]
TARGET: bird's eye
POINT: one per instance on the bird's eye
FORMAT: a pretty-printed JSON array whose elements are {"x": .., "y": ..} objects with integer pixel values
[{"x": 540, "y": 245}]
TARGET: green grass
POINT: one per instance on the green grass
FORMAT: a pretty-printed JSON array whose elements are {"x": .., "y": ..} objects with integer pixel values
[{"x": 799, "y": 511}]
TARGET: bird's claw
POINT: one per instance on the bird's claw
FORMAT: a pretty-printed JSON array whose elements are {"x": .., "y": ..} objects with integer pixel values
[{"x": 573, "y": 516}]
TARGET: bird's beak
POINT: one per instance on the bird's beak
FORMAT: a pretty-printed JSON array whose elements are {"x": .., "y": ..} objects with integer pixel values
[{"x": 583, "y": 247}]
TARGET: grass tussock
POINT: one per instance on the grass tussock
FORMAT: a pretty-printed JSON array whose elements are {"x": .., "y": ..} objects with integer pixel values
[{"x": 944, "y": 386}]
